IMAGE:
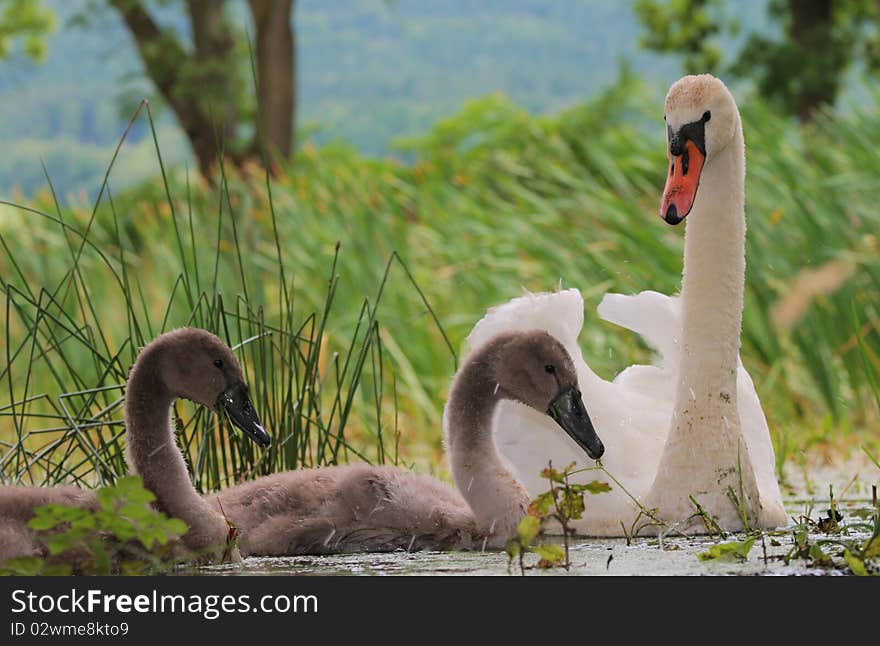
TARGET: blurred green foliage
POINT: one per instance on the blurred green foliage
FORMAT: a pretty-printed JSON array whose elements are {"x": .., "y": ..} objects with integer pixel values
[
  {"x": 27, "y": 22},
  {"x": 123, "y": 535},
  {"x": 799, "y": 69},
  {"x": 688, "y": 28}
]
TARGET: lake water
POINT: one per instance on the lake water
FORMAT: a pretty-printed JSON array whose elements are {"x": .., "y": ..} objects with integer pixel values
[{"x": 644, "y": 556}]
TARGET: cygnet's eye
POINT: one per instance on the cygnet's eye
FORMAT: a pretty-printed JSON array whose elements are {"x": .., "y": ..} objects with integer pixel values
[
  {"x": 549, "y": 368},
  {"x": 706, "y": 116},
  {"x": 218, "y": 363}
]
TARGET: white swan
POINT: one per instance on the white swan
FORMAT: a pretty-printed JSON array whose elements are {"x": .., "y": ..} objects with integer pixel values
[{"x": 692, "y": 424}]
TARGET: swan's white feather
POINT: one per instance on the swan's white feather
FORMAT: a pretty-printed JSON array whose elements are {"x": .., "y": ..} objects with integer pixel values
[
  {"x": 560, "y": 314},
  {"x": 656, "y": 318}
]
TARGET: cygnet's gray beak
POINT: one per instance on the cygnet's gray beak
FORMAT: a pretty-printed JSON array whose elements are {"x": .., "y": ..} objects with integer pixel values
[
  {"x": 240, "y": 409},
  {"x": 569, "y": 412}
]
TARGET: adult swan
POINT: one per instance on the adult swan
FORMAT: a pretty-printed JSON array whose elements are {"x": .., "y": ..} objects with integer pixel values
[{"x": 689, "y": 428}]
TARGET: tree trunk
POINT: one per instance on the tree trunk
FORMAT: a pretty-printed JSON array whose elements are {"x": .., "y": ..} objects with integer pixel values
[
  {"x": 213, "y": 82},
  {"x": 811, "y": 29},
  {"x": 198, "y": 86},
  {"x": 276, "y": 69},
  {"x": 203, "y": 87}
]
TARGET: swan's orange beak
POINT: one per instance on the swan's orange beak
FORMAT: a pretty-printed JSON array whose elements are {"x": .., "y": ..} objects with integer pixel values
[{"x": 682, "y": 182}]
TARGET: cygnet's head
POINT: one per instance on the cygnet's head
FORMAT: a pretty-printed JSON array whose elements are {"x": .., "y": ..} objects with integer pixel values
[
  {"x": 701, "y": 119},
  {"x": 196, "y": 365},
  {"x": 535, "y": 369}
]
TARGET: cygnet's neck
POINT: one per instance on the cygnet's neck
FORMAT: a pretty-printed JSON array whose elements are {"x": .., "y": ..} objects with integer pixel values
[
  {"x": 156, "y": 458},
  {"x": 496, "y": 498}
]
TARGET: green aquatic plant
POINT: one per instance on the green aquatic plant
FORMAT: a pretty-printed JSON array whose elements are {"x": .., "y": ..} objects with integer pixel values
[
  {"x": 729, "y": 550},
  {"x": 562, "y": 503},
  {"x": 123, "y": 535},
  {"x": 829, "y": 541}
]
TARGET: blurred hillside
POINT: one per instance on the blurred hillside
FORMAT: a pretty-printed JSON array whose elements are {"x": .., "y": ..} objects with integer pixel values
[{"x": 369, "y": 71}]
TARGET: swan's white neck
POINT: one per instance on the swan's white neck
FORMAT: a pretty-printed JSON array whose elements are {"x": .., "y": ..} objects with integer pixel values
[
  {"x": 705, "y": 450},
  {"x": 155, "y": 457},
  {"x": 497, "y": 499},
  {"x": 713, "y": 283}
]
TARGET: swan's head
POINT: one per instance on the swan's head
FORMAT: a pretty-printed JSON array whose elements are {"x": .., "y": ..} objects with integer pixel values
[
  {"x": 535, "y": 369},
  {"x": 701, "y": 119},
  {"x": 196, "y": 365}
]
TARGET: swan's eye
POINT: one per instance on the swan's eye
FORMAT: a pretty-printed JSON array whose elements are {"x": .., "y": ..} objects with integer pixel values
[
  {"x": 218, "y": 363},
  {"x": 550, "y": 369},
  {"x": 706, "y": 116}
]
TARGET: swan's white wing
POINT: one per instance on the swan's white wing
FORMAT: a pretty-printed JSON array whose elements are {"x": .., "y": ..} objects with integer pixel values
[
  {"x": 654, "y": 316},
  {"x": 561, "y": 314},
  {"x": 657, "y": 319},
  {"x": 760, "y": 448}
]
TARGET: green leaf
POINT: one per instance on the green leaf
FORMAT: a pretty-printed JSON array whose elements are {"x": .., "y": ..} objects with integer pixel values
[
  {"x": 102, "y": 563},
  {"x": 551, "y": 553},
  {"x": 107, "y": 499},
  {"x": 176, "y": 527},
  {"x": 84, "y": 522},
  {"x": 149, "y": 537},
  {"x": 595, "y": 487},
  {"x": 22, "y": 566},
  {"x": 43, "y": 521},
  {"x": 856, "y": 565},
  {"x": 529, "y": 528},
  {"x": 872, "y": 548},
  {"x": 818, "y": 556},
  {"x": 730, "y": 551},
  {"x": 135, "y": 511},
  {"x": 542, "y": 504},
  {"x": 553, "y": 475},
  {"x": 572, "y": 505},
  {"x": 59, "y": 513},
  {"x": 58, "y": 543},
  {"x": 128, "y": 484}
]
